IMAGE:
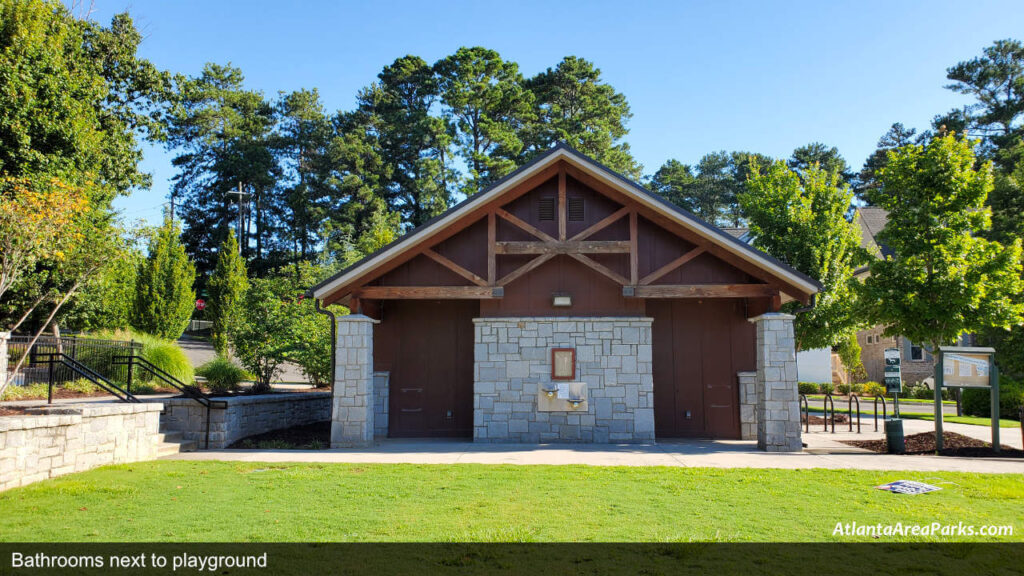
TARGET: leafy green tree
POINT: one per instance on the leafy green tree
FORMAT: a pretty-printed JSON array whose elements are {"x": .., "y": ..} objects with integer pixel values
[
  {"x": 574, "y": 105},
  {"x": 996, "y": 80},
  {"x": 264, "y": 335},
  {"x": 897, "y": 137},
  {"x": 226, "y": 288},
  {"x": 816, "y": 153},
  {"x": 945, "y": 278},
  {"x": 675, "y": 181},
  {"x": 710, "y": 189},
  {"x": 107, "y": 301},
  {"x": 302, "y": 144},
  {"x": 164, "y": 298},
  {"x": 485, "y": 99},
  {"x": 414, "y": 145},
  {"x": 73, "y": 97},
  {"x": 222, "y": 132},
  {"x": 801, "y": 220}
]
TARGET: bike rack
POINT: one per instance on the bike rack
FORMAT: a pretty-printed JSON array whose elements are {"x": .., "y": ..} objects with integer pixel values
[
  {"x": 884, "y": 414},
  {"x": 806, "y": 409},
  {"x": 849, "y": 410},
  {"x": 825, "y": 406}
]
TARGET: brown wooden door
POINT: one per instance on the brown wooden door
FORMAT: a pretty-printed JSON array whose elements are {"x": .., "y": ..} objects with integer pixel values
[
  {"x": 431, "y": 385},
  {"x": 695, "y": 390}
]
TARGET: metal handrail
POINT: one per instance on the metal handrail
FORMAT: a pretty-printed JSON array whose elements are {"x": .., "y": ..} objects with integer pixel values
[
  {"x": 849, "y": 409},
  {"x": 825, "y": 405},
  {"x": 189, "y": 391},
  {"x": 192, "y": 392},
  {"x": 884, "y": 413},
  {"x": 805, "y": 407},
  {"x": 53, "y": 358}
]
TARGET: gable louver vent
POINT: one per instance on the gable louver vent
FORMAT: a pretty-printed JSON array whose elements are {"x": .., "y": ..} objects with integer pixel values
[
  {"x": 546, "y": 208},
  {"x": 575, "y": 207}
]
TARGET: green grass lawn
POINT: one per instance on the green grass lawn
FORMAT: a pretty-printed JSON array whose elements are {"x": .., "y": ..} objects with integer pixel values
[
  {"x": 887, "y": 399},
  {"x": 228, "y": 501}
]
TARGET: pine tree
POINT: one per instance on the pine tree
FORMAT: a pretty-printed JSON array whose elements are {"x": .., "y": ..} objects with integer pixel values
[
  {"x": 164, "y": 296},
  {"x": 226, "y": 289}
]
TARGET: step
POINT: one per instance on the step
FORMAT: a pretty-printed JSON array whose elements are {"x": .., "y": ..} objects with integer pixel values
[{"x": 170, "y": 448}]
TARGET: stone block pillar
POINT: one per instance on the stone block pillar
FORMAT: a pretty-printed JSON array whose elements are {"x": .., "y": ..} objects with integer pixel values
[
  {"x": 778, "y": 400},
  {"x": 4, "y": 337},
  {"x": 352, "y": 406}
]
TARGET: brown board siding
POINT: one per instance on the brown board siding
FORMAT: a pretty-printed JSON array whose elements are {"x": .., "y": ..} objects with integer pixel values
[
  {"x": 698, "y": 347},
  {"x": 427, "y": 346}
]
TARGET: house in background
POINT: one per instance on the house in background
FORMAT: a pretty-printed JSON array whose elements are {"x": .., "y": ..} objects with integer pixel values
[
  {"x": 916, "y": 363},
  {"x": 566, "y": 303}
]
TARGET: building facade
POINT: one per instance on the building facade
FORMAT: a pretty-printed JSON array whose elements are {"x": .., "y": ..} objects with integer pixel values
[{"x": 566, "y": 304}]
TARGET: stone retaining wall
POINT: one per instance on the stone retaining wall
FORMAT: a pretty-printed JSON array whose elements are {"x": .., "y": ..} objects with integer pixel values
[
  {"x": 748, "y": 404},
  {"x": 512, "y": 358},
  {"x": 60, "y": 440},
  {"x": 244, "y": 416}
]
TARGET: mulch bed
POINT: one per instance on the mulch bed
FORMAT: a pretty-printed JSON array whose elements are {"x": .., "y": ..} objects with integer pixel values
[
  {"x": 819, "y": 421},
  {"x": 315, "y": 436},
  {"x": 11, "y": 411},
  {"x": 953, "y": 445}
]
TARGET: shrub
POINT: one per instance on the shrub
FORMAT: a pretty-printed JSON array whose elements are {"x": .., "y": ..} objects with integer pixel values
[
  {"x": 826, "y": 387},
  {"x": 164, "y": 354},
  {"x": 807, "y": 387},
  {"x": 81, "y": 385},
  {"x": 844, "y": 389},
  {"x": 857, "y": 387},
  {"x": 27, "y": 392},
  {"x": 920, "y": 391},
  {"x": 222, "y": 374},
  {"x": 977, "y": 402},
  {"x": 872, "y": 389}
]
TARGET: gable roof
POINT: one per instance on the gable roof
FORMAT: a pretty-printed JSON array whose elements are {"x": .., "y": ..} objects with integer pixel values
[
  {"x": 872, "y": 220},
  {"x": 583, "y": 162}
]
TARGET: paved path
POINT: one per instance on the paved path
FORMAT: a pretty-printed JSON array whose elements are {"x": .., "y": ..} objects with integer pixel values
[
  {"x": 200, "y": 352},
  {"x": 823, "y": 451}
]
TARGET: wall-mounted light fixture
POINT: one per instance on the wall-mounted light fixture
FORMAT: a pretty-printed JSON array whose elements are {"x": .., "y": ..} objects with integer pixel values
[{"x": 562, "y": 300}]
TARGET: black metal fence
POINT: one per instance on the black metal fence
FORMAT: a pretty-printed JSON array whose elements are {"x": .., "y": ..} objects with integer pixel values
[{"x": 99, "y": 355}]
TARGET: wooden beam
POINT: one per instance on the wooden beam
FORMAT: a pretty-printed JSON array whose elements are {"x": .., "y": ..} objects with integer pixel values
[
  {"x": 567, "y": 247},
  {"x": 430, "y": 253},
  {"x": 595, "y": 265},
  {"x": 526, "y": 226},
  {"x": 602, "y": 224},
  {"x": 634, "y": 256},
  {"x": 701, "y": 291},
  {"x": 689, "y": 255},
  {"x": 492, "y": 235},
  {"x": 532, "y": 264},
  {"x": 429, "y": 292},
  {"x": 340, "y": 293},
  {"x": 562, "y": 209}
]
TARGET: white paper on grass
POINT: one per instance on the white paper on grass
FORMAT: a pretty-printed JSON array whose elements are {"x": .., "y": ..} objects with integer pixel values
[{"x": 908, "y": 487}]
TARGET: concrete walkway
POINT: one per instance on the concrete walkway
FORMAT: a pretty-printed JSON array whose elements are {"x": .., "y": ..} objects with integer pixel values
[{"x": 823, "y": 451}]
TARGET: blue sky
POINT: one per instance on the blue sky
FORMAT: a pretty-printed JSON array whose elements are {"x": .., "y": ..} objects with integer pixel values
[{"x": 700, "y": 75}]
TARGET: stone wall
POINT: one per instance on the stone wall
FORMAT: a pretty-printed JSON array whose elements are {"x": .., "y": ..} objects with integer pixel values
[
  {"x": 244, "y": 416},
  {"x": 352, "y": 414},
  {"x": 748, "y": 404},
  {"x": 51, "y": 442},
  {"x": 778, "y": 403},
  {"x": 381, "y": 392},
  {"x": 512, "y": 357}
]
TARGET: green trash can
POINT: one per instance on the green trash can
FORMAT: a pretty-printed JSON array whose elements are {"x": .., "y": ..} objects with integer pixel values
[{"x": 894, "y": 436}]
